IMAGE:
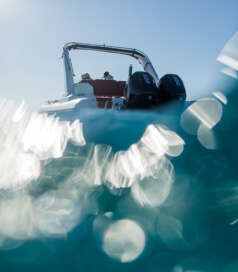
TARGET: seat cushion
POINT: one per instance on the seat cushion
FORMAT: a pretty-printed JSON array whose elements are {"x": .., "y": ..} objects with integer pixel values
[{"x": 107, "y": 87}]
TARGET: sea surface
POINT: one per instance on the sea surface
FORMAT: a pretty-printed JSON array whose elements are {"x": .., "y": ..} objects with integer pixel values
[{"x": 107, "y": 190}]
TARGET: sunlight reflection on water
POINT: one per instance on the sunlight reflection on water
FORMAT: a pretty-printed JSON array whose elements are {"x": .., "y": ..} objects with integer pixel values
[{"x": 52, "y": 179}]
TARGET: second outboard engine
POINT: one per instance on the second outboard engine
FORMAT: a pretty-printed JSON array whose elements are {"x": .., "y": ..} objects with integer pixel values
[
  {"x": 141, "y": 91},
  {"x": 171, "y": 88}
]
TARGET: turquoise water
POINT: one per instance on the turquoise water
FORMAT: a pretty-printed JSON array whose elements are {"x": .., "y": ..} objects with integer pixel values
[{"x": 133, "y": 191}]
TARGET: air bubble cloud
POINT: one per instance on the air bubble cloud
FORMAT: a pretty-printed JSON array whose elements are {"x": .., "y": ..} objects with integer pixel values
[
  {"x": 49, "y": 186},
  {"x": 27, "y": 139}
]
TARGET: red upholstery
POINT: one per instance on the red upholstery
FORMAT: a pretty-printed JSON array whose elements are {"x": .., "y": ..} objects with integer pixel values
[
  {"x": 104, "y": 90},
  {"x": 121, "y": 87},
  {"x": 107, "y": 87}
]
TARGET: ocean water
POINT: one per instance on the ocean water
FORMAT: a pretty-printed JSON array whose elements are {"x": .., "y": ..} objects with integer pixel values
[
  {"x": 104, "y": 190},
  {"x": 121, "y": 191}
]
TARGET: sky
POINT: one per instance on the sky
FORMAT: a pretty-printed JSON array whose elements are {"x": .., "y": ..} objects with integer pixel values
[{"x": 179, "y": 36}]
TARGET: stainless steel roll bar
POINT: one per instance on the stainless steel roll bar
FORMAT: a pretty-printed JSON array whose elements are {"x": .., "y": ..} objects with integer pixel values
[{"x": 139, "y": 55}]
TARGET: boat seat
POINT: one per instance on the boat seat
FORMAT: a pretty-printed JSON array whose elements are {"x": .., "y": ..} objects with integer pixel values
[
  {"x": 121, "y": 86},
  {"x": 107, "y": 87},
  {"x": 104, "y": 90}
]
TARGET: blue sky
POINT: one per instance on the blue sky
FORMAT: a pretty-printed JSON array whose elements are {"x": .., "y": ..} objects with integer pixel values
[{"x": 179, "y": 36}]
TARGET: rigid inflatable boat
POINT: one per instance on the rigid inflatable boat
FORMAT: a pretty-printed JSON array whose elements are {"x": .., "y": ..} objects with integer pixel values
[{"x": 142, "y": 89}]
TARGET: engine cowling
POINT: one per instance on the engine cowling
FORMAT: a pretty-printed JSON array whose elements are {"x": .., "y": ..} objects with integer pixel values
[
  {"x": 171, "y": 88},
  {"x": 141, "y": 91}
]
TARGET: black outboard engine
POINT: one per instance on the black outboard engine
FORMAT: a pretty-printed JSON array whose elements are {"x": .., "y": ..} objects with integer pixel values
[
  {"x": 141, "y": 91},
  {"x": 171, "y": 88}
]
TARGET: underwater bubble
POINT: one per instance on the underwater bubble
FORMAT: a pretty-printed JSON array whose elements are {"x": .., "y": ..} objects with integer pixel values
[
  {"x": 178, "y": 268},
  {"x": 94, "y": 166},
  {"x": 141, "y": 159},
  {"x": 128, "y": 208},
  {"x": 124, "y": 240},
  {"x": 229, "y": 54},
  {"x": 76, "y": 133},
  {"x": 125, "y": 167},
  {"x": 228, "y": 60},
  {"x": 175, "y": 142},
  {"x": 221, "y": 97},
  {"x": 154, "y": 141},
  {"x": 128, "y": 166},
  {"x": 189, "y": 122},
  {"x": 230, "y": 72},
  {"x": 28, "y": 167},
  {"x": 16, "y": 217},
  {"x": 45, "y": 136},
  {"x": 175, "y": 150},
  {"x": 205, "y": 111},
  {"x": 54, "y": 215},
  {"x": 121, "y": 171},
  {"x": 234, "y": 222},
  {"x": 137, "y": 159},
  {"x": 27, "y": 138},
  {"x": 170, "y": 231},
  {"x": 154, "y": 190},
  {"x": 17, "y": 168},
  {"x": 206, "y": 137}
]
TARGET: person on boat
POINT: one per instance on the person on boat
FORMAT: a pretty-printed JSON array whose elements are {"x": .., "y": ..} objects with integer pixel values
[
  {"x": 86, "y": 76},
  {"x": 107, "y": 76}
]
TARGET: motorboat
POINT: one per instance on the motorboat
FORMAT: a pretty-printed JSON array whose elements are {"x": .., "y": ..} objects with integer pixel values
[{"x": 141, "y": 90}]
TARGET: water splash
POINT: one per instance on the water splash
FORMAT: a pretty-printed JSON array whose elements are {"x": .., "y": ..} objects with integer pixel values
[
  {"x": 29, "y": 138},
  {"x": 133, "y": 195}
]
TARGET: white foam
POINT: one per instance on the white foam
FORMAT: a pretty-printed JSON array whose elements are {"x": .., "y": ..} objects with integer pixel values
[
  {"x": 141, "y": 159},
  {"x": 27, "y": 138},
  {"x": 154, "y": 190}
]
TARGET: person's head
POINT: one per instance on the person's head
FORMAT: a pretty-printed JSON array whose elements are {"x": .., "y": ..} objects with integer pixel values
[
  {"x": 106, "y": 74},
  {"x": 85, "y": 76}
]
